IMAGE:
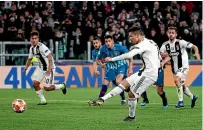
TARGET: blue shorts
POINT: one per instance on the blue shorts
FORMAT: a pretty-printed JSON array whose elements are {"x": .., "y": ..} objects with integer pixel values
[
  {"x": 111, "y": 74},
  {"x": 160, "y": 80}
]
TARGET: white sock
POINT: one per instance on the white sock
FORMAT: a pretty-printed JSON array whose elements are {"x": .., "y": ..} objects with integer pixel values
[
  {"x": 58, "y": 86},
  {"x": 187, "y": 92},
  {"x": 132, "y": 106},
  {"x": 180, "y": 93},
  {"x": 41, "y": 96},
  {"x": 117, "y": 90}
]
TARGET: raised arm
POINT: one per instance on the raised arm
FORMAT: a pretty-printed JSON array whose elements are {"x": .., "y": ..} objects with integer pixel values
[{"x": 128, "y": 55}]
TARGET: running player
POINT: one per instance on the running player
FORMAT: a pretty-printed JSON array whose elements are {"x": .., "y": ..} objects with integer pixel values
[
  {"x": 115, "y": 71},
  {"x": 46, "y": 69},
  {"x": 141, "y": 80},
  {"x": 178, "y": 56}
]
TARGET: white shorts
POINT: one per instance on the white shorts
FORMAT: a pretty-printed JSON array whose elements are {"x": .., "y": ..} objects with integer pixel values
[
  {"x": 182, "y": 73},
  {"x": 139, "y": 84},
  {"x": 40, "y": 74}
]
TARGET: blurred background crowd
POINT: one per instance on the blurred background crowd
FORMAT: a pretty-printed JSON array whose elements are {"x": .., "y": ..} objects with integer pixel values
[{"x": 73, "y": 24}]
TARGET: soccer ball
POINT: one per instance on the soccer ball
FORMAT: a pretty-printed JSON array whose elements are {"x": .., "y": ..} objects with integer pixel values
[{"x": 19, "y": 105}]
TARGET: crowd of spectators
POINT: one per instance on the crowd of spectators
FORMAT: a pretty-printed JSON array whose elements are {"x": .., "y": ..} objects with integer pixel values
[{"x": 73, "y": 24}]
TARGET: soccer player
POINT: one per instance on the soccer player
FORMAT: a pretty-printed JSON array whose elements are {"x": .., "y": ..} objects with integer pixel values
[
  {"x": 137, "y": 83},
  {"x": 97, "y": 45},
  {"x": 115, "y": 71},
  {"x": 178, "y": 56},
  {"x": 46, "y": 69}
]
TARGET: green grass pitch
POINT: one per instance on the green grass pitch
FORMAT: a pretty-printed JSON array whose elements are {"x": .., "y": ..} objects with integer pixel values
[{"x": 71, "y": 112}]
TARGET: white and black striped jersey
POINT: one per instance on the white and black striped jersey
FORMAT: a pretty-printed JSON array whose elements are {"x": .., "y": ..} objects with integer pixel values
[
  {"x": 149, "y": 53},
  {"x": 177, "y": 52},
  {"x": 41, "y": 52}
]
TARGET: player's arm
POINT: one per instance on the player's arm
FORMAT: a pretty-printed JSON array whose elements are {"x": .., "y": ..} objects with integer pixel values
[
  {"x": 166, "y": 60},
  {"x": 95, "y": 66},
  {"x": 164, "y": 55},
  {"x": 99, "y": 58},
  {"x": 130, "y": 68},
  {"x": 130, "y": 54},
  {"x": 45, "y": 51},
  {"x": 196, "y": 50},
  {"x": 190, "y": 45},
  {"x": 28, "y": 62},
  {"x": 50, "y": 60}
]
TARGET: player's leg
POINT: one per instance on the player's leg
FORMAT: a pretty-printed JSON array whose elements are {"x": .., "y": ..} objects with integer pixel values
[
  {"x": 162, "y": 94},
  {"x": 104, "y": 88},
  {"x": 109, "y": 76},
  {"x": 160, "y": 84},
  {"x": 124, "y": 85},
  {"x": 119, "y": 78},
  {"x": 136, "y": 89},
  {"x": 37, "y": 78},
  {"x": 186, "y": 90},
  {"x": 177, "y": 80},
  {"x": 145, "y": 99},
  {"x": 132, "y": 101},
  {"x": 50, "y": 86}
]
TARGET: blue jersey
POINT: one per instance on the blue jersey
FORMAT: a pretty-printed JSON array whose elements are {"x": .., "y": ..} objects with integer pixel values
[
  {"x": 95, "y": 54},
  {"x": 116, "y": 51}
]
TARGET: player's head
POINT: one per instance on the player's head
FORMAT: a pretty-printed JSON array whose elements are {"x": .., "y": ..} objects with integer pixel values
[
  {"x": 109, "y": 41},
  {"x": 97, "y": 43},
  {"x": 34, "y": 38},
  {"x": 172, "y": 33},
  {"x": 135, "y": 34}
]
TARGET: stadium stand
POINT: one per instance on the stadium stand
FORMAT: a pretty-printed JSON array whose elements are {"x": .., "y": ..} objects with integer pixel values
[{"x": 73, "y": 24}]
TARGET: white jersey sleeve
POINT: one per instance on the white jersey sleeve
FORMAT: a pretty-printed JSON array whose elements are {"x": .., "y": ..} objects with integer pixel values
[
  {"x": 30, "y": 53},
  {"x": 163, "y": 48},
  {"x": 185, "y": 44},
  {"x": 44, "y": 50},
  {"x": 136, "y": 50}
]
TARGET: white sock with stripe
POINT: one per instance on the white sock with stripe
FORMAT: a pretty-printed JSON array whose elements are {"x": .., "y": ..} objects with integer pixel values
[{"x": 117, "y": 90}]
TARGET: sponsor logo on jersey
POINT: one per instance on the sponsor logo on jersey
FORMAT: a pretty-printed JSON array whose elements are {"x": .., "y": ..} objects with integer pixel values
[{"x": 174, "y": 54}]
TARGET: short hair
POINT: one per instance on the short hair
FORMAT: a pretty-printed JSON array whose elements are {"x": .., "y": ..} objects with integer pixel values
[
  {"x": 136, "y": 30},
  {"x": 173, "y": 28},
  {"x": 34, "y": 33},
  {"x": 108, "y": 36},
  {"x": 97, "y": 38}
]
